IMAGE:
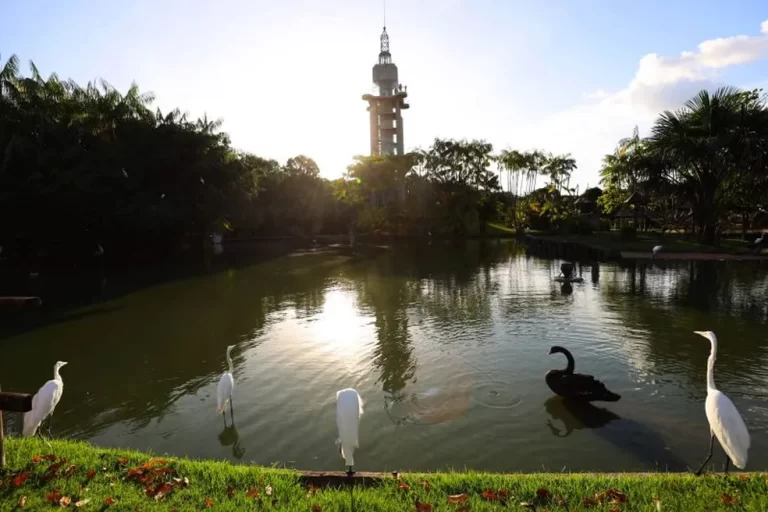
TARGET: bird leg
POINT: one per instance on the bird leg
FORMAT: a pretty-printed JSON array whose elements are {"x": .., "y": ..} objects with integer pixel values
[
  {"x": 727, "y": 463},
  {"x": 224, "y": 417},
  {"x": 350, "y": 472},
  {"x": 231, "y": 409},
  {"x": 711, "y": 448}
]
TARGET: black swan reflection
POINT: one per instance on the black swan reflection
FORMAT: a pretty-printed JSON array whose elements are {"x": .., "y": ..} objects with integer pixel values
[
  {"x": 576, "y": 415},
  {"x": 577, "y": 386}
]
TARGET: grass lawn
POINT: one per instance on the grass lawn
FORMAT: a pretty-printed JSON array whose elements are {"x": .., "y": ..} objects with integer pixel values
[
  {"x": 67, "y": 473},
  {"x": 646, "y": 241}
]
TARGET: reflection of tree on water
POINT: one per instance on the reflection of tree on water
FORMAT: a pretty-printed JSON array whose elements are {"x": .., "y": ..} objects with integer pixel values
[
  {"x": 230, "y": 437},
  {"x": 630, "y": 436}
]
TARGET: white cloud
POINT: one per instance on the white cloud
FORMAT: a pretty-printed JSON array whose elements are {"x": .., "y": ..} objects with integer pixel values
[{"x": 591, "y": 130}]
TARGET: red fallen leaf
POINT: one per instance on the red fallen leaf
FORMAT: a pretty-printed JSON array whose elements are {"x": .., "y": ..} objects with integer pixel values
[
  {"x": 53, "y": 497},
  {"x": 489, "y": 495},
  {"x": 70, "y": 471},
  {"x": 91, "y": 474},
  {"x": 589, "y": 502},
  {"x": 316, "y": 508},
  {"x": 19, "y": 479},
  {"x": 312, "y": 490},
  {"x": 154, "y": 462},
  {"x": 503, "y": 494},
  {"x": 162, "y": 490},
  {"x": 742, "y": 477},
  {"x": 252, "y": 493},
  {"x": 463, "y": 508},
  {"x": 404, "y": 486},
  {"x": 458, "y": 498},
  {"x": 209, "y": 502},
  {"x": 231, "y": 491},
  {"x": 728, "y": 500},
  {"x": 50, "y": 457},
  {"x": 65, "y": 501},
  {"x": 425, "y": 485},
  {"x": 22, "y": 501},
  {"x": 109, "y": 501},
  {"x": 543, "y": 493},
  {"x": 36, "y": 459},
  {"x": 423, "y": 507},
  {"x": 122, "y": 460}
]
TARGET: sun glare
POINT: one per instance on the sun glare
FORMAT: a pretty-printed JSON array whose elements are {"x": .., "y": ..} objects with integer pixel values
[{"x": 339, "y": 327}]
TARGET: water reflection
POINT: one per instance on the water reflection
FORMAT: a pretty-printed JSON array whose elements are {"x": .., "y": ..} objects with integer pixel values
[
  {"x": 452, "y": 337},
  {"x": 230, "y": 437},
  {"x": 576, "y": 415}
]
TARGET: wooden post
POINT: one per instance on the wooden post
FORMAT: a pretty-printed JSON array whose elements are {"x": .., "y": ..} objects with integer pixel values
[{"x": 17, "y": 402}]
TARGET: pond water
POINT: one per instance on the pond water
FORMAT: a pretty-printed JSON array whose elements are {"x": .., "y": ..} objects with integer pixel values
[{"x": 447, "y": 344}]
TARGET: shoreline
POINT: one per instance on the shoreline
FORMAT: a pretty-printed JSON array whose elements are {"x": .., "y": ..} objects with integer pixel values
[{"x": 42, "y": 473}]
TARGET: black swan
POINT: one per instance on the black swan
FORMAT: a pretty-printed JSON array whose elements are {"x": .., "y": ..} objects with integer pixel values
[{"x": 576, "y": 385}]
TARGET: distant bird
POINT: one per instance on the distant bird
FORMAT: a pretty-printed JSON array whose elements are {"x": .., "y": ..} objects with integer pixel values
[
  {"x": 162, "y": 196},
  {"x": 724, "y": 419},
  {"x": 657, "y": 249},
  {"x": 349, "y": 408},
  {"x": 125, "y": 174},
  {"x": 44, "y": 402},
  {"x": 202, "y": 180},
  {"x": 99, "y": 250},
  {"x": 577, "y": 386},
  {"x": 224, "y": 389},
  {"x": 760, "y": 240}
]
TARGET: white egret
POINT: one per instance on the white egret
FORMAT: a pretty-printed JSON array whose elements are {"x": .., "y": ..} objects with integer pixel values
[
  {"x": 99, "y": 250},
  {"x": 349, "y": 408},
  {"x": 125, "y": 174},
  {"x": 759, "y": 241},
  {"x": 224, "y": 389},
  {"x": 44, "y": 402},
  {"x": 202, "y": 181},
  {"x": 656, "y": 249},
  {"x": 725, "y": 422}
]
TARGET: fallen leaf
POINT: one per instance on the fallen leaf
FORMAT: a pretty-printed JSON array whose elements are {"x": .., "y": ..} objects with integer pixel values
[
  {"x": 528, "y": 504},
  {"x": 458, "y": 498},
  {"x": 268, "y": 490},
  {"x": 122, "y": 460},
  {"x": 50, "y": 457},
  {"x": 614, "y": 510},
  {"x": 154, "y": 462},
  {"x": 589, "y": 502},
  {"x": 425, "y": 485},
  {"x": 742, "y": 477},
  {"x": 312, "y": 490},
  {"x": 463, "y": 508},
  {"x": 231, "y": 491},
  {"x": 65, "y": 501},
  {"x": 70, "y": 471},
  {"x": 728, "y": 500},
  {"x": 316, "y": 508},
  {"x": 252, "y": 493},
  {"x": 91, "y": 474},
  {"x": 616, "y": 496},
  {"x": 109, "y": 501},
  {"x": 543, "y": 493},
  {"x": 82, "y": 503},
  {"x": 36, "y": 459},
  {"x": 209, "y": 502},
  {"x": 404, "y": 486},
  {"x": 423, "y": 507},
  {"x": 19, "y": 479},
  {"x": 489, "y": 495},
  {"x": 53, "y": 497},
  {"x": 22, "y": 501}
]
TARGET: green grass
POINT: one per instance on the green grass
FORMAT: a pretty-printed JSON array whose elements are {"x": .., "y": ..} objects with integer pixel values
[
  {"x": 645, "y": 242},
  {"x": 210, "y": 480}
]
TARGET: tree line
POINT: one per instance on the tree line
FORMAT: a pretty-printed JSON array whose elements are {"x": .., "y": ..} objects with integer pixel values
[{"x": 701, "y": 164}]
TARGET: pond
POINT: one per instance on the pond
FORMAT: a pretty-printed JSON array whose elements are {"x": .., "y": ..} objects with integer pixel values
[{"x": 446, "y": 342}]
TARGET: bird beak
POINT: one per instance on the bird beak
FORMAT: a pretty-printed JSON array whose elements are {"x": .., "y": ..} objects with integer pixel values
[
  {"x": 550, "y": 352},
  {"x": 700, "y": 333}
]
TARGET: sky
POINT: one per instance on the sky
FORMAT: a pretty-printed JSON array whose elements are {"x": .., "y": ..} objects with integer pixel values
[{"x": 286, "y": 78}]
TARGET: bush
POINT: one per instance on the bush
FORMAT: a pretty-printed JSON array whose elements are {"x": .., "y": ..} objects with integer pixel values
[{"x": 628, "y": 233}]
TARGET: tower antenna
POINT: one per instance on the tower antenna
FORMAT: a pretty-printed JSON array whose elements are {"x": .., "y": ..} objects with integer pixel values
[{"x": 385, "y": 12}]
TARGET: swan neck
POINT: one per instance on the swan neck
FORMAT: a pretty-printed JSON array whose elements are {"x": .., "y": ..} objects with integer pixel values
[{"x": 571, "y": 364}]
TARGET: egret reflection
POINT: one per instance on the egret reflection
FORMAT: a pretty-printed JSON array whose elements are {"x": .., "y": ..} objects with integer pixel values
[{"x": 230, "y": 437}]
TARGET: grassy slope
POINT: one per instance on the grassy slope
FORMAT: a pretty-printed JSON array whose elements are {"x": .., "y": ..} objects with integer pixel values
[{"x": 211, "y": 480}]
